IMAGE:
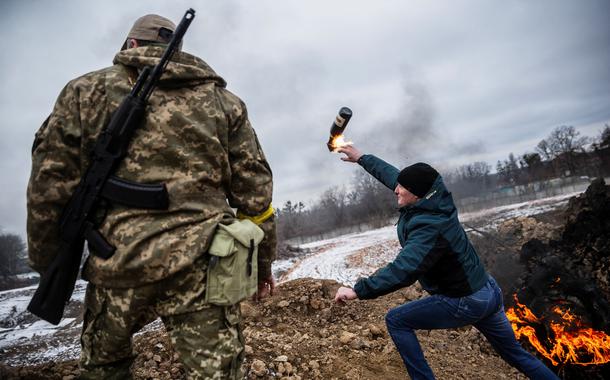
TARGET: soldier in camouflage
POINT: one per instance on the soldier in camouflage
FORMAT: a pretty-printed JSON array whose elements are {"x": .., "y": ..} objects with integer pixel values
[{"x": 198, "y": 141}]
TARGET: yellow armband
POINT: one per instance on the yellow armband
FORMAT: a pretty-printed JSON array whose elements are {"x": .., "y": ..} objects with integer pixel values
[{"x": 260, "y": 218}]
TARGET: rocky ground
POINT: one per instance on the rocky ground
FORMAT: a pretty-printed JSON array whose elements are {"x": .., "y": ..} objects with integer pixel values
[{"x": 301, "y": 334}]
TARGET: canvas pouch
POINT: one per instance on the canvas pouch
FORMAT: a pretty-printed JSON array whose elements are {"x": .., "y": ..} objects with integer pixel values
[{"x": 233, "y": 269}]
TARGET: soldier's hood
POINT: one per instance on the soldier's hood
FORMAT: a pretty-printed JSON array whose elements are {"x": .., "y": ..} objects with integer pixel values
[{"x": 183, "y": 70}]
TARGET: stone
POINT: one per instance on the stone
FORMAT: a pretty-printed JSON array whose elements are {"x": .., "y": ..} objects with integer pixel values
[
  {"x": 323, "y": 333},
  {"x": 359, "y": 343},
  {"x": 248, "y": 350},
  {"x": 258, "y": 368},
  {"x": 326, "y": 314},
  {"x": 280, "y": 369},
  {"x": 346, "y": 337},
  {"x": 375, "y": 331},
  {"x": 388, "y": 348},
  {"x": 288, "y": 367},
  {"x": 316, "y": 304}
]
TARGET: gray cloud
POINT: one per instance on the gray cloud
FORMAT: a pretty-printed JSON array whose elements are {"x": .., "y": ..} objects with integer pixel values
[{"x": 448, "y": 82}]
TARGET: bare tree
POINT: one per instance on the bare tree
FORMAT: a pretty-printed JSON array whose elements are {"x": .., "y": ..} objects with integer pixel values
[
  {"x": 370, "y": 200},
  {"x": 531, "y": 164},
  {"x": 561, "y": 147},
  {"x": 469, "y": 179},
  {"x": 530, "y": 160},
  {"x": 544, "y": 149},
  {"x": 333, "y": 204},
  {"x": 291, "y": 219},
  {"x": 474, "y": 171},
  {"x": 508, "y": 171},
  {"x": 566, "y": 139},
  {"x": 602, "y": 151},
  {"x": 12, "y": 254},
  {"x": 564, "y": 142},
  {"x": 604, "y": 137}
]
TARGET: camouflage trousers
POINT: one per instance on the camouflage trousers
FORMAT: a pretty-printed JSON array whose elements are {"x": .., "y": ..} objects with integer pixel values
[{"x": 207, "y": 338}]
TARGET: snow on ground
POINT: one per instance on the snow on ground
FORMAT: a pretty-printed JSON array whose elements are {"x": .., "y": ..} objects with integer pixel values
[
  {"x": 36, "y": 329},
  {"x": 329, "y": 258},
  {"x": 29, "y": 275},
  {"x": 494, "y": 216},
  {"x": 26, "y": 340},
  {"x": 45, "y": 342},
  {"x": 13, "y": 304}
]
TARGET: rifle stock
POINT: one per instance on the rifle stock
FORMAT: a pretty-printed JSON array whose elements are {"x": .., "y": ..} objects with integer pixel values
[{"x": 57, "y": 284}]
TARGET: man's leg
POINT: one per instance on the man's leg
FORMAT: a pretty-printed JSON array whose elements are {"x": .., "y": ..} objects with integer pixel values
[
  {"x": 499, "y": 332},
  {"x": 106, "y": 337},
  {"x": 434, "y": 312},
  {"x": 209, "y": 342}
]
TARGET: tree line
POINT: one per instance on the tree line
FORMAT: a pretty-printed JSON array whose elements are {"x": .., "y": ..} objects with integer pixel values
[
  {"x": 368, "y": 202},
  {"x": 564, "y": 153}
]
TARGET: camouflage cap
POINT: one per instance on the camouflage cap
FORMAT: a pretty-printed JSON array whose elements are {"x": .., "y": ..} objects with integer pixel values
[{"x": 149, "y": 28}]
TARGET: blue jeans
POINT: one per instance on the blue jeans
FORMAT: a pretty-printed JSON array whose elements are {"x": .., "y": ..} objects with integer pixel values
[{"x": 483, "y": 309}]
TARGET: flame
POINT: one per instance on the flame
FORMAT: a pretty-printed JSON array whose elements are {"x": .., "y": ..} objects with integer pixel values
[
  {"x": 339, "y": 142},
  {"x": 571, "y": 343}
]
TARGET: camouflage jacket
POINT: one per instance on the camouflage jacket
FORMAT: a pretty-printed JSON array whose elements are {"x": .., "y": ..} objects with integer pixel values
[{"x": 196, "y": 139}]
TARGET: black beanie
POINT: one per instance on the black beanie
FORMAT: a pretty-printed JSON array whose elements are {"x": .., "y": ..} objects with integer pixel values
[{"x": 418, "y": 178}]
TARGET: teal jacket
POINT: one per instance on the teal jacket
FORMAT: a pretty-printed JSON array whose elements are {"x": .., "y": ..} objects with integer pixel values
[{"x": 435, "y": 248}]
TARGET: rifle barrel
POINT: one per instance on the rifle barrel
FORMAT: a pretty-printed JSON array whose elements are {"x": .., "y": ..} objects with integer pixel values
[{"x": 169, "y": 52}]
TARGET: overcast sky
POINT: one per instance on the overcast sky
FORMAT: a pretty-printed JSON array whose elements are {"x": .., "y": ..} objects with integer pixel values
[{"x": 448, "y": 82}]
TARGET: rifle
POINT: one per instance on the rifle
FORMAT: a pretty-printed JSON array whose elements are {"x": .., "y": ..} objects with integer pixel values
[{"x": 98, "y": 186}]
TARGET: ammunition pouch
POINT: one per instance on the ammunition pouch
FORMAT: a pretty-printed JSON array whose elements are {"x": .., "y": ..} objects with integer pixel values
[{"x": 232, "y": 274}]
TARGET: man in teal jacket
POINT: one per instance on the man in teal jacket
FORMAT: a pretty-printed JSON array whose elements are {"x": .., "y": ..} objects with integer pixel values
[{"x": 437, "y": 253}]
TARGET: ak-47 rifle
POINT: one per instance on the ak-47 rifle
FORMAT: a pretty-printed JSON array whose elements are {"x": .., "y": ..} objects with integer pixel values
[{"x": 98, "y": 185}]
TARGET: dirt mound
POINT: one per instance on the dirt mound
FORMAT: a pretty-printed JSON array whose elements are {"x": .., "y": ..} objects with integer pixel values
[
  {"x": 521, "y": 229},
  {"x": 579, "y": 262},
  {"x": 571, "y": 273},
  {"x": 587, "y": 234},
  {"x": 301, "y": 334}
]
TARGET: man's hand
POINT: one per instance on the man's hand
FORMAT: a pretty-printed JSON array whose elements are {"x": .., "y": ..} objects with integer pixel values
[
  {"x": 266, "y": 287},
  {"x": 345, "y": 294},
  {"x": 352, "y": 154}
]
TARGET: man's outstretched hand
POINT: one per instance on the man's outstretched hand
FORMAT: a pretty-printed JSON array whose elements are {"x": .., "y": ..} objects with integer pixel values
[
  {"x": 345, "y": 294},
  {"x": 352, "y": 154}
]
